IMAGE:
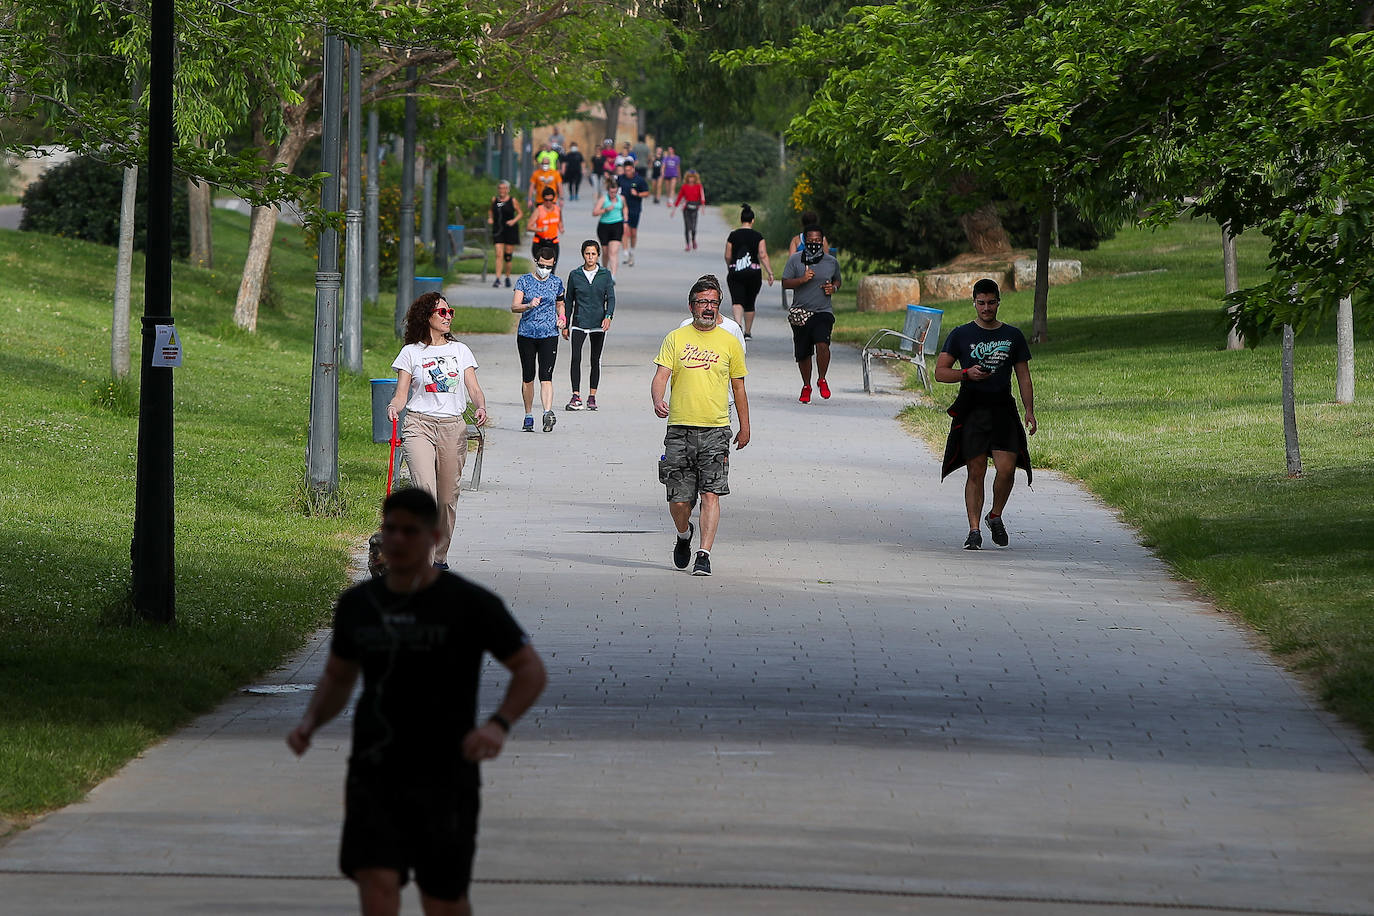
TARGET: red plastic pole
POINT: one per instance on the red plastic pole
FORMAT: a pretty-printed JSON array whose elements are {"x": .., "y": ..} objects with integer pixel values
[{"x": 391, "y": 461}]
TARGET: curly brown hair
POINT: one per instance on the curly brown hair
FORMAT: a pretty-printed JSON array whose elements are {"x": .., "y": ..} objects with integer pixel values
[{"x": 417, "y": 318}]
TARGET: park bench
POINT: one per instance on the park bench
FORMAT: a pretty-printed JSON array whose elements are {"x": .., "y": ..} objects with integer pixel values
[{"x": 912, "y": 344}]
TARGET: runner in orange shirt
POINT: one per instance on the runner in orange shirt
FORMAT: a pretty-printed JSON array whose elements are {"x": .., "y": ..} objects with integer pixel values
[
  {"x": 544, "y": 177},
  {"x": 546, "y": 222}
]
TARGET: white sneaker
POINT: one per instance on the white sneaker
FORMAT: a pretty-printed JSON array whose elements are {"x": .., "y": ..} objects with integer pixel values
[{"x": 631, "y": 261}]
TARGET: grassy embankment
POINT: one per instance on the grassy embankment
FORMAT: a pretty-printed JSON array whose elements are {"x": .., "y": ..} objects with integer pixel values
[
  {"x": 82, "y": 692},
  {"x": 1137, "y": 397}
]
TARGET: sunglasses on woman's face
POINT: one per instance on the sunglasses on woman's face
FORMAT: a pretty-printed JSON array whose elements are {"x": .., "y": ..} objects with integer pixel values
[{"x": 443, "y": 312}]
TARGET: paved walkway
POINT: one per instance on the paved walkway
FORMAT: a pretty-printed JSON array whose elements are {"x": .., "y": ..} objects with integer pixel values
[{"x": 853, "y": 715}]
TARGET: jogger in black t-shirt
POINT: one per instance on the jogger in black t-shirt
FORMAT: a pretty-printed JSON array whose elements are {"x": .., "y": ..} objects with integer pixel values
[
  {"x": 984, "y": 414},
  {"x": 417, "y": 636}
]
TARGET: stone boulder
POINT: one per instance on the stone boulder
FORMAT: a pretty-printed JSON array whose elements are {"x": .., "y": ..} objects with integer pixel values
[
  {"x": 1061, "y": 272},
  {"x": 951, "y": 286},
  {"x": 888, "y": 292}
]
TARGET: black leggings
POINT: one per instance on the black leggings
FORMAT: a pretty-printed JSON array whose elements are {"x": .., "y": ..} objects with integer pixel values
[
  {"x": 575, "y": 184},
  {"x": 689, "y": 223},
  {"x": 542, "y": 349},
  {"x": 598, "y": 341}
]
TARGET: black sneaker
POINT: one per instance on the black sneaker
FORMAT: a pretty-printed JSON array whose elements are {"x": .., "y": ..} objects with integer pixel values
[
  {"x": 703, "y": 564},
  {"x": 549, "y": 420},
  {"x": 682, "y": 550},
  {"x": 998, "y": 530},
  {"x": 975, "y": 540}
]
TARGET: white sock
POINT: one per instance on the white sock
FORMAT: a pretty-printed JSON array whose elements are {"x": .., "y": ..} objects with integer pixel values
[
  {"x": 707, "y": 552},
  {"x": 685, "y": 535}
]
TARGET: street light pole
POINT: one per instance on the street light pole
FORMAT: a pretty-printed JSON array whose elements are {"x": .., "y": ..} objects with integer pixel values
[
  {"x": 370, "y": 216},
  {"x": 353, "y": 237},
  {"x": 152, "y": 552},
  {"x": 322, "y": 452},
  {"x": 405, "y": 258}
]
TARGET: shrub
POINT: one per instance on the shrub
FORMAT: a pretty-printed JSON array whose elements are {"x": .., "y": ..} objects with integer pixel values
[
  {"x": 80, "y": 199},
  {"x": 734, "y": 165}
]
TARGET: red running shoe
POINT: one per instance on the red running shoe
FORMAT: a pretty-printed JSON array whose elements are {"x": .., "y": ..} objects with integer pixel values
[
  {"x": 825, "y": 389},
  {"x": 805, "y": 395}
]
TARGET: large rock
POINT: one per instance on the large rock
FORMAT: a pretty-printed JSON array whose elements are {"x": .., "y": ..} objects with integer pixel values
[
  {"x": 1061, "y": 272},
  {"x": 951, "y": 286},
  {"x": 888, "y": 293}
]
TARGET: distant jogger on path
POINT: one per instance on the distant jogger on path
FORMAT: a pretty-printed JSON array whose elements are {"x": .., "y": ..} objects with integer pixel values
[{"x": 590, "y": 307}]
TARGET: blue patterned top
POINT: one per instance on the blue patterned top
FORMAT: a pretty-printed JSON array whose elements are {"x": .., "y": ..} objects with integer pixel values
[{"x": 542, "y": 320}]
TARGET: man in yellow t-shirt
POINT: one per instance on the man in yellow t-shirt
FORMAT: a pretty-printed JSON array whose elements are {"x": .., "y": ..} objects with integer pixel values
[{"x": 705, "y": 363}]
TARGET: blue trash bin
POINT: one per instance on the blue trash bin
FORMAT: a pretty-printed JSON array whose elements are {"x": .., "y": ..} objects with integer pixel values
[
  {"x": 383, "y": 390},
  {"x": 922, "y": 324}
]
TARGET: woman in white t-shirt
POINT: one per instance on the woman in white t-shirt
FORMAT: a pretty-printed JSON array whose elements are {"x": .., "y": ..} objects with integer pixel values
[{"x": 436, "y": 376}]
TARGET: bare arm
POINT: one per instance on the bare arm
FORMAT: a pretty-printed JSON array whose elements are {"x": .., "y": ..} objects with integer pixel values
[
  {"x": 763, "y": 259},
  {"x": 527, "y": 681},
  {"x": 519, "y": 212},
  {"x": 1023, "y": 381},
  {"x": 331, "y": 694},
  {"x": 945, "y": 371},
  {"x": 728, "y": 249},
  {"x": 742, "y": 411},
  {"x": 658, "y": 387},
  {"x": 393, "y": 409},
  {"x": 475, "y": 395}
]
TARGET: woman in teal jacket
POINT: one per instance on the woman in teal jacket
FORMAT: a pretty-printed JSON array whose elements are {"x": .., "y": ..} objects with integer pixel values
[{"x": 590, "y": 303}]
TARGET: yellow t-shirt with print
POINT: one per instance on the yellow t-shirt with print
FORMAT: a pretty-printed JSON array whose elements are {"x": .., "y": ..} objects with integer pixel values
[{"x": 702, "y": 363}]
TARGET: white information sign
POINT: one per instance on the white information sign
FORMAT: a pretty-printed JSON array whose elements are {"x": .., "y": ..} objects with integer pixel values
[{"x": 167, "y": 346}]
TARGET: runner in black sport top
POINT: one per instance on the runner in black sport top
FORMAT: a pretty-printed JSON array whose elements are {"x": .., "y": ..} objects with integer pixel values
[{"x": 746, "y": 260}]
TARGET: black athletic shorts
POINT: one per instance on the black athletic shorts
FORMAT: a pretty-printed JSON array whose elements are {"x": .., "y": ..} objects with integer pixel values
[
  {"x": 816, "y": 330},
  {"x": 632, "y": 216},
  {"x": 991, "y": 429},
  {"x": 609, "y": 232},
  {"x": 505, "y": 235},
  {"x": 540, "y": 350},
  {"x": 744, "y": 287},
  {"x": 424, "y": 827}
]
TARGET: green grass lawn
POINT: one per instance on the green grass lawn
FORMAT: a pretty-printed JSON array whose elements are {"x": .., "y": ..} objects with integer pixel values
[
  {"x": 1137, "y": 397},
  {"x": 82, "y": 692}
]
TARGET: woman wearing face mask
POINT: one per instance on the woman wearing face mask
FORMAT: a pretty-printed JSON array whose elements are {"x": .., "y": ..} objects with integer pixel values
[
  {"x": 693, "y": 198},
  {"x": 610, "y": 207},
  {"x": 591, "y": 301},
  {"x": 538, "y": 300},
  {"x": 571, "y": 168},
  {"x": 436, "y": 377}
]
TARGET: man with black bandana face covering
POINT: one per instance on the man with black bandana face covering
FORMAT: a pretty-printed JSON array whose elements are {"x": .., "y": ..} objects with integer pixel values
[{"x": 813, "y": 275}]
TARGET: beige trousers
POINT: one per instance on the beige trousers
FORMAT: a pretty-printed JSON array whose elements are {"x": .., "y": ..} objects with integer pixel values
[{"x": 436, "y": 448}]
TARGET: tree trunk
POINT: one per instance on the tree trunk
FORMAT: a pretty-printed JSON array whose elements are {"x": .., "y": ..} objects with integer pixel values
[
  {"x": 1234, "y": 339},
  {"x": 1345, "y": 352},
  {"x": 612, "y": 106},
  {"x": 1290, "y": 412},
  {"x": 1040, "y": 322},
  {"x": 119, "y": 320},
  {"x": 198, "y": 204},
  {"x": 983, "y": 228},
  {"x": 263, "y": 223}
]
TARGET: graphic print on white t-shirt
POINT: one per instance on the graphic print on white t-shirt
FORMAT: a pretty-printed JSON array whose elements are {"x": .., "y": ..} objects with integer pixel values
[{"x": 442, "y": 373}]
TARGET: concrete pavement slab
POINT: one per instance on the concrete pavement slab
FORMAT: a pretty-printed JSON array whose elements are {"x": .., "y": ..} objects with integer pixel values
[{"x": 851, "y": 715}]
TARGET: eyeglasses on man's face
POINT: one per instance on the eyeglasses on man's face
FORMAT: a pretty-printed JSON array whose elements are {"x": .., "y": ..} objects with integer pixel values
[{"x": 711, "y": 302}]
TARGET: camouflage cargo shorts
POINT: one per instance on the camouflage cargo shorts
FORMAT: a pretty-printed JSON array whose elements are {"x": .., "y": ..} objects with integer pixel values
[{"x": 696, "y": 459}]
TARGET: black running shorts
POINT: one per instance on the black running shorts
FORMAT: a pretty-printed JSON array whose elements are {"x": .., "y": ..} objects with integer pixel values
[{"x": 425, "y": 828}]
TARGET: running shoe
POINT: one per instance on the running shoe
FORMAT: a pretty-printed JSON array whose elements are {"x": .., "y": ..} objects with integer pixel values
[
  {"x": 999, "y": 530},
  {"x": 496, "y": 283},
  {"x": 631, "y": 262},
  {"x": 507, "y": 282},
  {"x": 549, "y": 420},
  {"x": 708, "y": 564},
  {"x": 529, "y": 425},
  {"x": 682, "y": 548},
  {"x": 688, "y": 248},
  {"x": 438, "y": 565},
  {"x": 702, "y": 567},
  {"x": 574, "y": 403},
  {"x": 825, "y": 389},
  {"x": 805, "y": 395},
  {"x": 748, "y": 336},
  {"x": 591, "y": 402},
  {"x": 974, "y": 540}
]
